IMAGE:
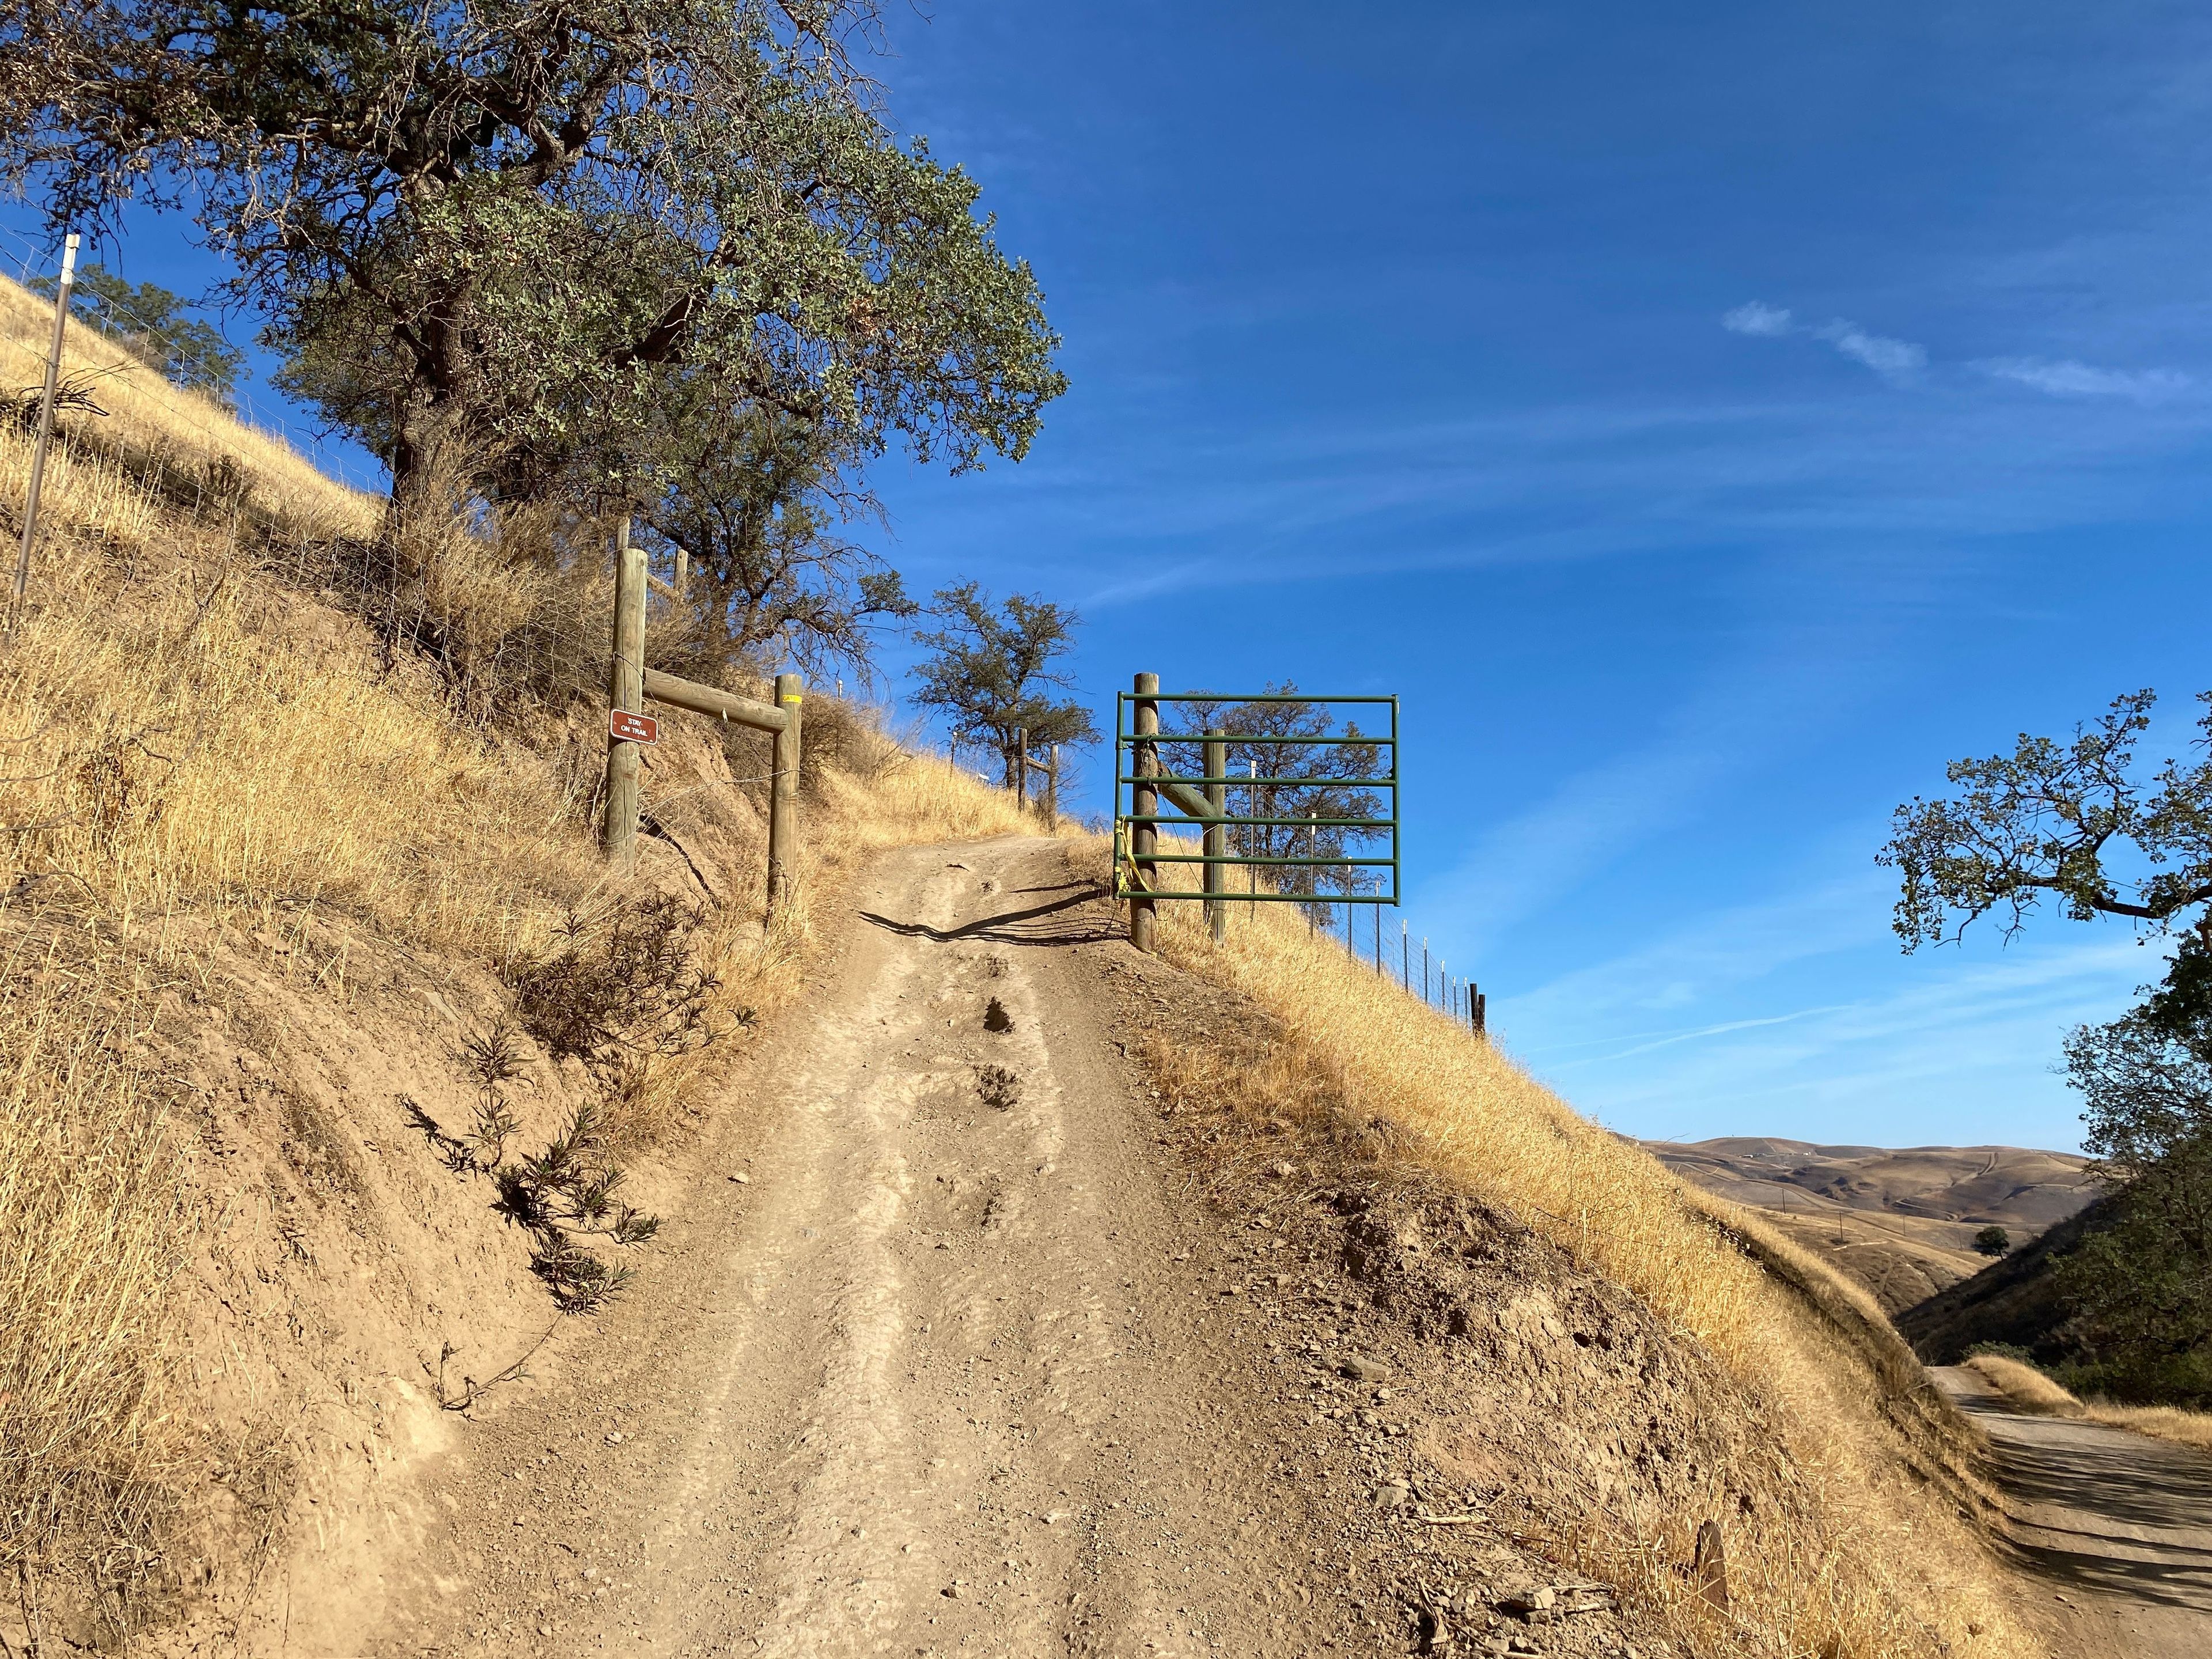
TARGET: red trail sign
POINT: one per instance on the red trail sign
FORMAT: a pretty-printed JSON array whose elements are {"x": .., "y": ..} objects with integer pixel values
[{"x": 633, "y": 728}]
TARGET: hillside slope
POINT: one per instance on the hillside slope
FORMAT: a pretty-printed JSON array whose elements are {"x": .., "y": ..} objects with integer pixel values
[
  {"x": 1900, "y": 1221},
  {"x": 344, "y": 1084},
  {"x": 333, "y": 1055}
]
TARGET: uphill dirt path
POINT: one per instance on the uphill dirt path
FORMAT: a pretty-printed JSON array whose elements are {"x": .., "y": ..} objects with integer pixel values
[
  {"x": 2115, "y": 1526},
  {"x": 919, "y": 1367}
]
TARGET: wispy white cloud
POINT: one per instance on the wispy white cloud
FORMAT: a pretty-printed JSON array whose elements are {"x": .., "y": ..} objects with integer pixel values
[
  {"x": 1768, "y": 322},
  {"x": 1939, "y": 1045},
  {"x": 1898, "y": 361},
  {"x": 2067, "y": 379}
]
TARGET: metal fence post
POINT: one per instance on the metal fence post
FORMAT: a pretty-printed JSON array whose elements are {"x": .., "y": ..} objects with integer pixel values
[
  {"x": 1143, "y": 803},
  {"x": 1216, "y": 839},
  {"x": 46, "y": 417},
  {"x": 626, "y": 692}
]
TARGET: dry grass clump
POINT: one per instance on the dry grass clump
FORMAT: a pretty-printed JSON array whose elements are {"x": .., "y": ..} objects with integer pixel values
[
  {"x": 180, "y": 747},
  {"x": 154, "y": 434},
  {"x": 2032, "y": 1391},
  {"x": 91, "y": 1231},
  {"x": 1879, "y": 1566},
  {"x": 2024, "y": 1386}
]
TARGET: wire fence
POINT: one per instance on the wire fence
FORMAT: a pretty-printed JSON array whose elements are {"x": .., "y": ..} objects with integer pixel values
[{"x": 270, "y": 420}]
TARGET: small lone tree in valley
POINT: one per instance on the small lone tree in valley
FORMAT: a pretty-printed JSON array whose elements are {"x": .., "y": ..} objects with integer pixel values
[
  {"x": 990, "y": 672},
  {"x": 1992, "y": 1241}
]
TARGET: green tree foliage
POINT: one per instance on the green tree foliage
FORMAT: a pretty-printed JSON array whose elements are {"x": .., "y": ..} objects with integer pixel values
[
  {"x": 2050, "y": 818},
  {"x": 990, "y": 672},
  {"x": 491, "y": 235},
  {"x": 2081, "y": 822},
  {"x": 759, "y": 504},
  {"x": 153, "y": 323},
  {"x": 1993, "y": 1241},
  {"x": 1316, "y": 791},
  {"x": 2141, "y": 1287}
]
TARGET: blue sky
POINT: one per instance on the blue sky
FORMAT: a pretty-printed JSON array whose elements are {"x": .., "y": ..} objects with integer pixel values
[{"x": 1708, "y": 422}]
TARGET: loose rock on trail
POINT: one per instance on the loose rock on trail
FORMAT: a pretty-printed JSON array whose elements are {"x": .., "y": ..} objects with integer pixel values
[{"x": 927, "y": 1382}]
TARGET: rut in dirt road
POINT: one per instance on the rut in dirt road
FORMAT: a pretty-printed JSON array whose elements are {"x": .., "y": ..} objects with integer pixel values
[
  {"x": 2118, "y": 1524},
  {"x": 925, "y": 1380}
]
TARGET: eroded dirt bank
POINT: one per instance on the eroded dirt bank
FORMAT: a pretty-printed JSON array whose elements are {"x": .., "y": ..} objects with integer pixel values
[{"x": 963, "y": 1337}]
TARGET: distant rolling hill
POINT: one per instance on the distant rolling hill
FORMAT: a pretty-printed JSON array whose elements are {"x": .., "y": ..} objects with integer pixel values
[{"x": 1902, "y": 1220}]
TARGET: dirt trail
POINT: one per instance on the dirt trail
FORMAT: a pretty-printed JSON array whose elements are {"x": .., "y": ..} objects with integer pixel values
[
  {"x": 926, "y": 1380},
  {"x": 2120, "y": 1524}
]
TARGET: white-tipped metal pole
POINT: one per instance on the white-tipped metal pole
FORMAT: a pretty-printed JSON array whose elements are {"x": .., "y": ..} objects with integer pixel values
[{"x": 46, "y": 417}]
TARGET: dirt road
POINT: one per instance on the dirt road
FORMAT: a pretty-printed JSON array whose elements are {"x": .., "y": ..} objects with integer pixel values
[
  {"x": 2116, "y": 1523},
  {"x": 914, "y": 1371}
]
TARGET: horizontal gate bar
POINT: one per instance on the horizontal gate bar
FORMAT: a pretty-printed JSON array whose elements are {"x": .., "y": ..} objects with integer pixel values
[
  {"x": 1257, "y": 858},
  {"x": 1217, "y": 698},
  {"x": 1284, "y": 824},
  {"x": 1233, "y": 737},
  {"x": 1258, "y": 898}
]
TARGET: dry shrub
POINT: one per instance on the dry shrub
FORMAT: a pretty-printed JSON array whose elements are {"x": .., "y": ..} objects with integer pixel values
[
  {"x": 625, "y": 978},
  {"x": 1878, "y": 1566}
]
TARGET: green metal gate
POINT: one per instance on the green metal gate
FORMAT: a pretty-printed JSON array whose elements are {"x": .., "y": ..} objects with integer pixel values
[{"x": 1156, "y": 797}]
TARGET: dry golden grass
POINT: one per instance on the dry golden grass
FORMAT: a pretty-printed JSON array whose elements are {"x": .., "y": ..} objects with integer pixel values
[
  {"x": 2024, "y": 1386},
  {"x": 149, "y": 425},
  {"x": 2160, "y": 1422},
  {"x": 91, "y": 1230},
  {"x": 190, "y": 750},
  {"x": 2031, "y": 1391},
  {"x": 1884, "y": 1569}
]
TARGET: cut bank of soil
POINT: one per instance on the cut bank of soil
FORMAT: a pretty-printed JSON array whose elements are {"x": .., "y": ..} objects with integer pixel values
[{"x": 940, "y": 1375}]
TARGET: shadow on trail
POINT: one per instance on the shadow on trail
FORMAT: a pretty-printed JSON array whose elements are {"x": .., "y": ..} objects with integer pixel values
[{"x": 1042, "y": 924}]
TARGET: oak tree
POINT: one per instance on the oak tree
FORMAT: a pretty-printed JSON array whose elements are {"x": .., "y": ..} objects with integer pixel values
[{"x": 488, "y": 233}]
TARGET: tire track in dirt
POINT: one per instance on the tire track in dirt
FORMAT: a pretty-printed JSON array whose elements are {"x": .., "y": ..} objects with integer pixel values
[{"x": 929, "y": 1380}]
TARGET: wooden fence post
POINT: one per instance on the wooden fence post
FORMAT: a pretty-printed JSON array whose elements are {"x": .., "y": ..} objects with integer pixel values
[
  {"x": 1216, "y": 839},
  {"x": 45, "y": 418},
  {"x": 1052, "y": 792},
  {"x": 626, "y": 692},
  {"x": 1144, "y": 802},
  {"x": 1022, "y": 768},
  {"x": 783, "y": 795}
]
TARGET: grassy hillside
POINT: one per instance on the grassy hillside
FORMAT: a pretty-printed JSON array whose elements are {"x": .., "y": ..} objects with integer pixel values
[
  {"x": 298, "y": 828},
  {"x": 301, "y": 912},
  {"x": 1839, "y": 1474}
]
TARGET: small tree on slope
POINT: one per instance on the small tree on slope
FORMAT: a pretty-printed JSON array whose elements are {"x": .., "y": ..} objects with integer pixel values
[{"x": 991, "y": 671}]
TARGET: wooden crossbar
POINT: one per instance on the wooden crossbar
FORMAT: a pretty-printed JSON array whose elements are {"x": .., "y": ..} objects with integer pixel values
[{"x": 711, "y": 700}]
